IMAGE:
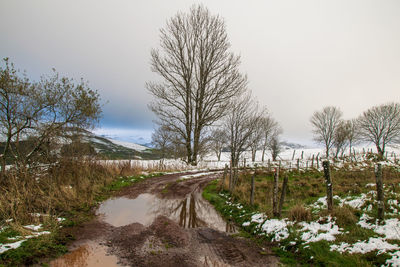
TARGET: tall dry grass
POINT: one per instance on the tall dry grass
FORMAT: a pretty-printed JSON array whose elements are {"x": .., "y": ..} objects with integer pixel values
[{"x": 56, "y": 189}]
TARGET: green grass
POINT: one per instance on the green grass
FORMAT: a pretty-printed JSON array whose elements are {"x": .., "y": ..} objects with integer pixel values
[{"x": 302, "y": 189}]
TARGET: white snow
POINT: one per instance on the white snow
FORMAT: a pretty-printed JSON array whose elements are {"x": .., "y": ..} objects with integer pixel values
[
  {"x": 197, "y": 175},
  {"x": 364, "y": 247},
  {"x": 8, "y": 246},
  {"x": 315, "y": 231},
  {"x": 33, "y": 227},
  {"x": 130, "y": 145},
  {"x": 278, "y": 228}
]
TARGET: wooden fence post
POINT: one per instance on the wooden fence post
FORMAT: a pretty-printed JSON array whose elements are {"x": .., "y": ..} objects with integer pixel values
[
  {"x": 298, "y": 164},
  {"x": 283, "y": 194},
  {"x": 294, "y": 152},
  {"x": 379, "y": 189},
  {"x": 253, "y": 186},
  {"x": 328, "y": 181},
  {"x": 312, "y": 162},
  {"x": 275, "y": 193}
]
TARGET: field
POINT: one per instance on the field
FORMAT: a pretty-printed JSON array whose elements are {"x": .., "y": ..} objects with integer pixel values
[{"x": 306, "y": 232}]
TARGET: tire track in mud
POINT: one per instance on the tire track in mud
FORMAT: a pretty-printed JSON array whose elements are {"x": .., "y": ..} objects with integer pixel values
[{"x": 184, "y": 232}]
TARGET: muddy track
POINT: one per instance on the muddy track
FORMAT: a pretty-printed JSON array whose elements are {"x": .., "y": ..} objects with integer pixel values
[{"x": 182, "y": 229}]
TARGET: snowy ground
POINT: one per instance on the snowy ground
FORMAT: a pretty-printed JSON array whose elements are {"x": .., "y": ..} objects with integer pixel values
[
  {"x": 289, "y": 158},
  {"x": 385, "y": 239}
]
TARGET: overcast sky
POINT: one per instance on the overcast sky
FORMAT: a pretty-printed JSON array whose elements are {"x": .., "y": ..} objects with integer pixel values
[{"x": 299, "y": 55}]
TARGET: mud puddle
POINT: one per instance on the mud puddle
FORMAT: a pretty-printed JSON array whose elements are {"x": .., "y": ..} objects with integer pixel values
[
  {"x": 89, "y": 254},
  {"x": 190, "y": 212}
]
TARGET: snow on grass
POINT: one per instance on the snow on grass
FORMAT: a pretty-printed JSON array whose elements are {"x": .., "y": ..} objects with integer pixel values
[
  {"x": 33, "y": 227},
  {"x": 363, "y": 247},
  {"x": 395, "y": 260},
  {"x": 277, "y": 228},
  {"x": 316, "y": 231},
  {"x": 17, "y": 244}
]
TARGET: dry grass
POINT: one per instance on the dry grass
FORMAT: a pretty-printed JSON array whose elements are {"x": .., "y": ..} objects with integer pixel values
[
  {"x": 58, "y": 189},
  {"x": 299, "y": 214}
]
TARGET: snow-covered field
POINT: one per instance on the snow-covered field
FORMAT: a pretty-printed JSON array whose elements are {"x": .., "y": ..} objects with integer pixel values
[
  {"x": 289, "y": 158},
  {"x": 386, "y": 235}
]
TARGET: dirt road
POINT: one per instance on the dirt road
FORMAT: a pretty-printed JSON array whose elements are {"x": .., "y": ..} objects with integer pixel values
[{"x": 162, "y": 221}]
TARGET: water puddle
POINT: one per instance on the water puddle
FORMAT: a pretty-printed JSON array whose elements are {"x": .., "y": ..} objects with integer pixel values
[
  {"x": 88, "y": 255},
  {"x": 190, "y": 212}
]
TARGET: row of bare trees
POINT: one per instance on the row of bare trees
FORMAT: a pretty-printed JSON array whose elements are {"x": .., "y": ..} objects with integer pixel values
[
  {"x": 202, "y": 101},
  {"x": 379, "y": 125}
]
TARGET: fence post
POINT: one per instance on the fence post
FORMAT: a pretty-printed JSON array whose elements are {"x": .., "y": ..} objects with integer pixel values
[
  {"x": 283, "y": 193},
  {"x": 312, "y": 162},
  {"x": 275, "y": 193},
  {"x": 298, "y": 164},
  {"x": 253, "y": 186},
  {"x": 379, "y": 189},
  {"x": 294, "y": 152},
  {"x": 302, "y": 154},
  {"x": 329, "y": 193}
]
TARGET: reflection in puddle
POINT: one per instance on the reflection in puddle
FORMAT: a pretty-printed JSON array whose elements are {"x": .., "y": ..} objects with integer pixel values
[
  {"x": 190, "y": 212},
  {"x": 87, "y": 255}
]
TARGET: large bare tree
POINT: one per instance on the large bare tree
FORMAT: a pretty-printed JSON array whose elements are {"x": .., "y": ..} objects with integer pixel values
[
  {"x": 325, "y": 123},
  {"x": 199, "y": 75},
  {"x": 380, "y": 125}
]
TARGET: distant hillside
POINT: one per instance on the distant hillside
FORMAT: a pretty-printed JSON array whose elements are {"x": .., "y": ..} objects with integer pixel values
[{"x": 115, "y": 149}]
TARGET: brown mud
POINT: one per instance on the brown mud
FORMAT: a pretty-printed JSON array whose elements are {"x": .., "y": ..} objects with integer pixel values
[{"x": 162, "y": 221}]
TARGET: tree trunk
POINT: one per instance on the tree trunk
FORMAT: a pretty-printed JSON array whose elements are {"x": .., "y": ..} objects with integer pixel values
[{"x": 263, "y": 153}]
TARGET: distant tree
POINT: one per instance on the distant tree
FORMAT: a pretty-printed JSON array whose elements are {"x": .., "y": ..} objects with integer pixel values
[
  {"x": 381, "y": 126},
  {"x": 325, "y": 123},
  {"x": 341, "y": 138},
  {"x": 255, "y": 139},
  {"x": 275, "y": 145},
  {"x": 218, "y": 139},
  {"x": 239, "y": 124},
  {"x": 37, "y": 113},
  {"x": 269, "y": 127},
  {"x": 199, "y": 76},
  {"x": 353, "y": 136},
  {"x": 162, "y": 139}
]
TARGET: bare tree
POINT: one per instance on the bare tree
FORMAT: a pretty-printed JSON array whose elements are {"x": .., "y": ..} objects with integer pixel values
[
  {"x": 380, "y": 125},
  {"x": 255, "y": 139},
  {"x": 241, "y": 121},
  {"x": 218, "y": 139},
  {"x": 341, "y": 138},
  {"x": 269, "y": 126},
  {"x": 275, "y": 146},
  {"x": 199, "y": 75},
  {"x": 353, "y": 136},
  {"x": 325, "y": 123},
  {"x": 36, "y": 113},
  {"x": 162, "y": 139}
]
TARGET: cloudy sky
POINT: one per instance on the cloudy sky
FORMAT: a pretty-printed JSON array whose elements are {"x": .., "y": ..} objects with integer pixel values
[{"x": 299, "y": 55}]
